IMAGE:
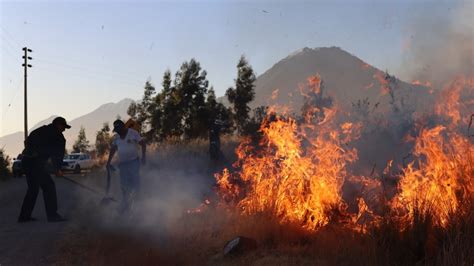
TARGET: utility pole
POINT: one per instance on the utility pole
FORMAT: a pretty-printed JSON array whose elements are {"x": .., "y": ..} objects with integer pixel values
[{"x": 26, "y": 66}]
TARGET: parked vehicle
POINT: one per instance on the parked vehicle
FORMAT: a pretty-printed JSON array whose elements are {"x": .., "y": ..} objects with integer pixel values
[
  {"x": 17, "y": 169},
  {"x": 77, "y": 162}
]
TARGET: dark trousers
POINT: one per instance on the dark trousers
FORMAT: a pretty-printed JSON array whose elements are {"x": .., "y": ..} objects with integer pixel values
[{"x": 38, "y": 177}]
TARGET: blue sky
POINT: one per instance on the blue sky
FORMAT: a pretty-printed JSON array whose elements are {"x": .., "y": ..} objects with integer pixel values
[{"x": 90, "y": 53}]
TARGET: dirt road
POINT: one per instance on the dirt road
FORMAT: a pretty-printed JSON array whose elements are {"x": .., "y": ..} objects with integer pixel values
[{"x": 34, "y": 243}]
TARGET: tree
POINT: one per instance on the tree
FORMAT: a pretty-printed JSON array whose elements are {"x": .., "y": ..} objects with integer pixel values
[
  {"x": 242, "y": 94},
  {"x": 158, "y": 114},
  {"x": 171, "y": 120},
  {"x": 217, "y": 111},
  {"x": 191, "y": 85},
  {"x": 132, "y": 110},
  {"x": 146, "y": 107},
  {"x": 4, "y": 165},
  {"x": 81, "y": 144},
  {"x": 211, "y": 103},
  {"x": 102, "y": 140},
  {"x": 184, "y": 106}
]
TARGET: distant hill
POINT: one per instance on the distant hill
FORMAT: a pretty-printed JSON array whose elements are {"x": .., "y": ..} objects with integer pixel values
[
  {"x": 92, "y": 122},
  {"x": 346, "y": 78}
]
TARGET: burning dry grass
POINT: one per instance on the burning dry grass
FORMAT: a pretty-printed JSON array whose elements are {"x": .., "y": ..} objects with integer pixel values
[
  {"x": 294, "y": 193},
  {"x": 198, "y": 239},
  {"x": 443, "y": 174}
]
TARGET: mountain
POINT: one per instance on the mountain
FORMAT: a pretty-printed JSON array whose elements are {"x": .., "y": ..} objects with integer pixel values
[
  {"x": 346, "y": 78},
  {"x": 92, "y": 122}
]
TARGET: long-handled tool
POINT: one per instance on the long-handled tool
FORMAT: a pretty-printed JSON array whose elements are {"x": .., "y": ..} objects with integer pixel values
[
  {"x": 107, "y": 199},
  {"x": 80, "y": 184}
]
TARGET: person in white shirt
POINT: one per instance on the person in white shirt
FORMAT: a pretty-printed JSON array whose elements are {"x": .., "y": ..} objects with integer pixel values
[{"x": 127, "y": 142}]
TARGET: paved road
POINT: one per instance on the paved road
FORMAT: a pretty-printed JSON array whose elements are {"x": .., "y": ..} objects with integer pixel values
[{"x": 34, "y": 243}]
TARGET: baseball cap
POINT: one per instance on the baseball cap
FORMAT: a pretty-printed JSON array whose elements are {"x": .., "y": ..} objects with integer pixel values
[
  {"x": 61, "y": 121},
  {"x": 118, "y": 124}
]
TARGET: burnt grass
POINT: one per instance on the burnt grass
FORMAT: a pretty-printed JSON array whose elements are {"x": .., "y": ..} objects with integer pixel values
[{"x": 199, "y": 239}]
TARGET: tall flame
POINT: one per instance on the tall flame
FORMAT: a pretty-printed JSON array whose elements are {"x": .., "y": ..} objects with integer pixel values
[
  {"x": 296, "y": 184},
  {"x": 297, "y": 169},
  {"x": 450, "y": 104},
  {"x": 440, "y": 177}
]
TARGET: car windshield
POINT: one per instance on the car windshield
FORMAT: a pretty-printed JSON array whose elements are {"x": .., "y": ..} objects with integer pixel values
[{"x": 72, "y": 157}]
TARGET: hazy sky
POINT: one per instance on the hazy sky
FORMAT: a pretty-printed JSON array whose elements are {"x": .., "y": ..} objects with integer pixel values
[{"x": 87, "y": 53}]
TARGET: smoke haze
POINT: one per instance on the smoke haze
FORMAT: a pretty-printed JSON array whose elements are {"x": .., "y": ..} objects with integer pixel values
[{"x": 439, "y": 45}]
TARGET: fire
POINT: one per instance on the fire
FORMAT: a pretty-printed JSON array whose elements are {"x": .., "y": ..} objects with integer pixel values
[
  {"x": 314, "y": 83},
  {"x": 450, "y": 104},
  {"x": 417, "y": 82},
  {"x": 439, "y": 178},
  {"x": 426, "y": 84},
  {"x": 200, "y": 208},
  {"x": 295, "y": 184},
  {"x": 297, "y": 168}
]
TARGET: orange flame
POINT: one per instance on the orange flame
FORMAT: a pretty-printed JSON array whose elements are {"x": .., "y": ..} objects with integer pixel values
[
  {"x": 417, "y": 82},
  {"x": 440, "y": 176},
  {"x": 314, "y": 83},
  {"x": 297, "y": 170},
  {"x": 450, "y": 104}
]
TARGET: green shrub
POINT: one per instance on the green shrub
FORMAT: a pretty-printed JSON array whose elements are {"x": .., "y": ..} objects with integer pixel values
[{"x": 4, "y": 165}]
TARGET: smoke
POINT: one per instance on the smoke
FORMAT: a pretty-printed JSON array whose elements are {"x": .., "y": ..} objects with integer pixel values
[
  {"x": 177, "y": 178},
  {"x": 439, "y": 44}
]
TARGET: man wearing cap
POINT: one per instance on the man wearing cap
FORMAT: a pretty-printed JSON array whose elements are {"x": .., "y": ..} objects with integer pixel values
[
  {"x": 43, "y": 153},
  {"x": 126, "y": 142}
]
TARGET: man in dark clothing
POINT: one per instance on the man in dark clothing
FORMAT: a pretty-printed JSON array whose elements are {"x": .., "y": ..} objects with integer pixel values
[
  {"x": 215, "y": 140},
  {"x": 44, "y": 152}
]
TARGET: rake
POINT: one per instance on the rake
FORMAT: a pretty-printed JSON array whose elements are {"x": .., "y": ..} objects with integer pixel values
[{"x": 108, "y": 199}]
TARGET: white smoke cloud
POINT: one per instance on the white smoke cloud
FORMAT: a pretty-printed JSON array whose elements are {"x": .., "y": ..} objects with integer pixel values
[
  {"x": 177, "y": 178},
  {"x": 440, "y": 44}
]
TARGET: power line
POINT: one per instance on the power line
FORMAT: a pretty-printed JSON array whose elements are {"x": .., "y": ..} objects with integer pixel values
[
  {"x": 7, "y": 108},
  {"x": 10, "y": 70},
  {"x": 10, "y": 36},
  {"x": 89, "y": 75},
  {"x": 87, "y": 67},
  {"x": 7, "y": 49},
  {"x": 9, "y": 53},
  {"x": 8, "y": 44},
  {"x": 82, "y": 68}
]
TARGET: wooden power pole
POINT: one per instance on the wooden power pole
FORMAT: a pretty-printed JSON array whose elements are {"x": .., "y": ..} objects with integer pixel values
[{"x": 26, "y": 66}]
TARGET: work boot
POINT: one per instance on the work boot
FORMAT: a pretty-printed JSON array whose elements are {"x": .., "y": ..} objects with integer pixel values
[
  {"x": 56, "y": 218},
  {"x": 26, "y": 219}
]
